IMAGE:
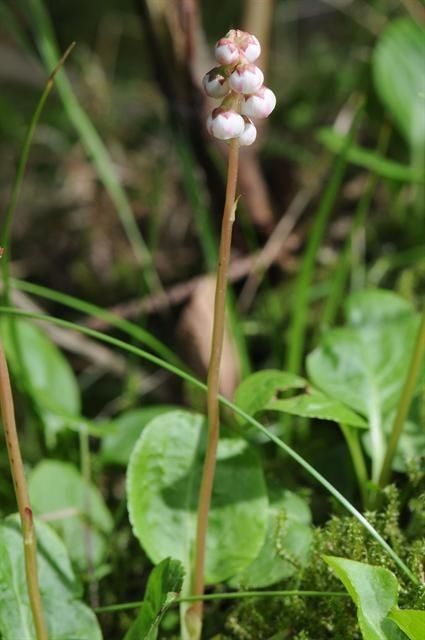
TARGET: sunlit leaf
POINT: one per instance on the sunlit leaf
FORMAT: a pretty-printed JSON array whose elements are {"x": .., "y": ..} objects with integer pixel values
[
  {"x": 410, "y": 621},
  {"x": 398, "y": 75},
  {"x": 43, "y": 372},
  {"x": 374, "y": 591},
  {"x": 368, "y": 159},
  {"x": 286, "y": 546},
  {"x": 164, "y": 584},
  {"x": 365, "y": 365},
  {"x": 123, "y": 432},
  {"x": 258, "y": 389},
  {"x": 374, "y": 306},
  {"x": 66, "y": 616},
  {"x": 314, "y": 404},
  {"x": 76, "y": 510},
  {"x": 163, "y": 485}
]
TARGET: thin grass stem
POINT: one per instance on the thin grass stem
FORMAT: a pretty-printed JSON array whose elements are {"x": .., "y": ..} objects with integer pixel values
[
  {"x": 234, "y": 595},
  {"x": 126, "y": 326},
  {"x": 19, "y": 175},
  {"x": 352, "y": 439},
  {"x": 342, "y": 268},
  {"x": 298, "y": 326},
  {"x": 93, "y": 144},
  {"x": 404, "y": 403}
]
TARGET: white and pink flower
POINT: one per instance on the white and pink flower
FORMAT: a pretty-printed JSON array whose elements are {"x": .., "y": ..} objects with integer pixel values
[
  {"x": 250, "y": 47},
  {"x": 247, "y": 44},
  {"x": 216, "y": 85},
  {"x": 246, "y": 78},
  {"x": 225, "y": 124},
  {"x": 226, "y": 51},
  {"x": 249, "y": 133},
  {"x": 260, "y": 104},
  {"x": 240, "y": 83}
]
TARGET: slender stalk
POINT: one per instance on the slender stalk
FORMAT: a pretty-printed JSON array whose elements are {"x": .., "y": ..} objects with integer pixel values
[
  {"x": 214, "y": 375},
  {"x": 232, "y": 595},
  {"x": 404, "y": 404},
  {"x": 149, "y": 357},
  {"x": 19, "y": 175},
  {"x": 352, "y": 439},
  {"x": 22, "y": 498}
]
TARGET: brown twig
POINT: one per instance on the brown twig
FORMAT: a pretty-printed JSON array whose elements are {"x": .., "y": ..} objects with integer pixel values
[
  {"x": 22, "y": 498},
  {"x": 177, "y": 294}
]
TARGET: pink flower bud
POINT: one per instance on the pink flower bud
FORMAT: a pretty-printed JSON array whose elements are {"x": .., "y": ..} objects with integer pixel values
[
  {"x": 249, "y": 133},
  {"x": 250, "y": 47},
  {"x": 246, "y": 78},
  {"x": 226, "y": 51},
  {"x": 225, "y": 124},
  {"x": 215, "y": 84},
  {"x": 259, "y": 105}
]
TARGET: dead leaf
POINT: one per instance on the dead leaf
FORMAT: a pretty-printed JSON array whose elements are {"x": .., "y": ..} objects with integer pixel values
[{"x": 195, "y": 331}]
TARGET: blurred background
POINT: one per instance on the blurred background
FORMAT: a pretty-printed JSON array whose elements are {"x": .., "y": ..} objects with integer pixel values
[{"x": 123, "y": 194}]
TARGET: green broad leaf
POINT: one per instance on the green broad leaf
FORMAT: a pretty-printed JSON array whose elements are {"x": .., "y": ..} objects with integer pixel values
[
  {"x": 76, "y": 510},
  {"x": 411, "y": 444},
  {"x": 410, "y": 621},
  {"x": 365, "y": 368},
  {"x": 66, "y": 616},
  {"x": 368, "y": 159},
  {"x": 399, "y": 79},
  {"x": 374, "y": 306},
  {"x": 258, "y": 389},
  {"x": 314, "y": 404},
  {"x": 286, "y": 546},
  {"x": 374, "y": 590},
  {"x": 163, "y": 482},
  {"x": 43, "y": 372},
  {"x": 123, "y": 432},
  {"x": 365, "y": 365},
  {"x": 164, "y": 584}
]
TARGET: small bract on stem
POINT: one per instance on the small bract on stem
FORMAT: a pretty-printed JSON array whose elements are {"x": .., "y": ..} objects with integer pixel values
[{"x": 239, "y": 83}]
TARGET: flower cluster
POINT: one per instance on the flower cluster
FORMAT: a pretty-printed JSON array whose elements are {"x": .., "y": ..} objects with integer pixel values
[{"x": 240, "y": 83}]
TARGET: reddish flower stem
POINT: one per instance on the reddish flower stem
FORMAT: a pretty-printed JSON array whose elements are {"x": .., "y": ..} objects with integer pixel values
[
  {"x": 214, "y": 380},
  {"x": 22, "y": 498}
]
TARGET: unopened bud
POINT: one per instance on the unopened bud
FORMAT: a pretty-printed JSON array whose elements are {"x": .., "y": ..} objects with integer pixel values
[
  {"x": 226, "y": 51},
  {"x": 246, "y": 78},
  {"x": 249, "y": 133},
  {"x": 225, "y": 124},
  {"x": 250, "y": 47},
  {"x": 215, "y": 84},
  {"x": 260, "y": 104}
]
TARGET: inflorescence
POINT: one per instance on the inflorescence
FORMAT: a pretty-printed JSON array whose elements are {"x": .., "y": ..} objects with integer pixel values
[{"x": 240, "y": 83}]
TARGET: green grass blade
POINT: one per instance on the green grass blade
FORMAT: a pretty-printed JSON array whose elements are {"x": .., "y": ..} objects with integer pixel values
[
  {"x": 342, "y": 268},
  {"x": 91, "y": 142},
  {"x": 90, "y": 309},
  {"x": 374, "y": 161},
  {"x": 298, "y": 323},
  {"x": 20, "y": 171},
  {"x": 200, "y": 385},
  {"x": 233, "y": 595}
]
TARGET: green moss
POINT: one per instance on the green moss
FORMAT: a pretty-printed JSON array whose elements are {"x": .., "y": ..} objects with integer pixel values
[{"x": 335, "y": 618}]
